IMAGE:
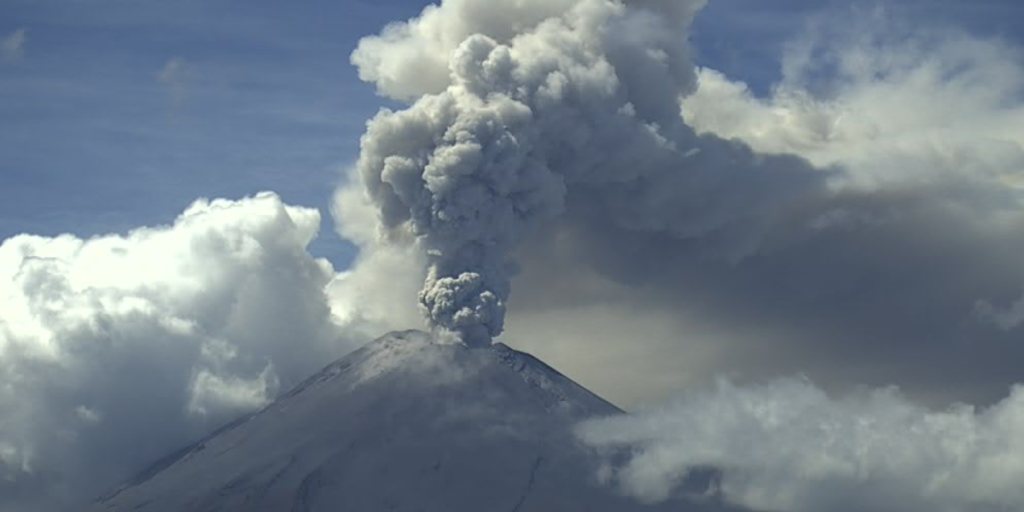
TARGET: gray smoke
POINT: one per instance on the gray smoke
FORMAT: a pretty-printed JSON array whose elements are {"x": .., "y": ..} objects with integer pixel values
[{"x": 516, "y": 108}]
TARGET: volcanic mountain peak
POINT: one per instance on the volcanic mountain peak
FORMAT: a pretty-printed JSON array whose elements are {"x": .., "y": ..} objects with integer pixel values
[{"x": 403, "y": 424}]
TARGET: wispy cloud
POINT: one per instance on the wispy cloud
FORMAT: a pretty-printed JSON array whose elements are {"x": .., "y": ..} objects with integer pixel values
[
  {"x": 13, "y": 46},
  {"x": 174, "y": 75}
]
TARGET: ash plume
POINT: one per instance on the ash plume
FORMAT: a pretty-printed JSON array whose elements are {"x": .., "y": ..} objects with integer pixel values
[{"x": 514, "y": 108}]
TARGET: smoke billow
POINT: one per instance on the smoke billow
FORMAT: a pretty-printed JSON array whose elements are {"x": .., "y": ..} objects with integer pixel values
[
  {"x": 861, "y": 223},
  {"x": 519, "y": 107}
]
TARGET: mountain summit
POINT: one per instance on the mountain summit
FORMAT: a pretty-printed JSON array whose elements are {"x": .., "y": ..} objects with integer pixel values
[{"x": 403, "y": 424}]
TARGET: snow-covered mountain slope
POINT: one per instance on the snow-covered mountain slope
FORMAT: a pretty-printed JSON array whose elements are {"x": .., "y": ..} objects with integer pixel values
[{"x": 402, "y": 424}]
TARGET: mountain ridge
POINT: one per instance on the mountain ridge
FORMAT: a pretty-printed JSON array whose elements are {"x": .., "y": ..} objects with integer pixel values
[{"x": 401, "y": 424}]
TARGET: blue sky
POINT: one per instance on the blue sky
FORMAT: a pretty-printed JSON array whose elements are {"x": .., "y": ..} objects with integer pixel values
[{"x": 117, "y": 114}]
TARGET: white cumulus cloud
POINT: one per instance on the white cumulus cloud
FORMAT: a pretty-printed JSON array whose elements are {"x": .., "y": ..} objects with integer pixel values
[{"x": 117, "y": 349}]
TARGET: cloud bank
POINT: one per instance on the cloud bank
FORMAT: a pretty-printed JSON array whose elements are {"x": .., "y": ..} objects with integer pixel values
[{"x": 788, "y": 446}]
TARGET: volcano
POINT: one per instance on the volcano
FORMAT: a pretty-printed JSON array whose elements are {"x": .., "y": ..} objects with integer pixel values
[{"x": 403, "y": 424}]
